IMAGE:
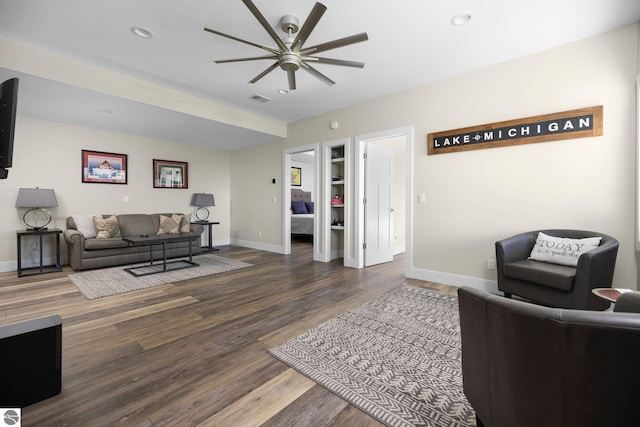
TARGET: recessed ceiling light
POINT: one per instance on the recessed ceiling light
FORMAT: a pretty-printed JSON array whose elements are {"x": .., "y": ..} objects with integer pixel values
[
  {"x": 461, "y": 19},
  {"x": 283, "y": 91},
  {"x": 141, "y": 32}
]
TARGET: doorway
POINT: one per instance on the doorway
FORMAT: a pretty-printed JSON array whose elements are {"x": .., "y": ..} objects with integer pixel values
[{"x": 304, "y": 161}]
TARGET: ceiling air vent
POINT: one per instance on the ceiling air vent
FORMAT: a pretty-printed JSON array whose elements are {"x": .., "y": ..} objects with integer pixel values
[{"x": 260, "y": 98}]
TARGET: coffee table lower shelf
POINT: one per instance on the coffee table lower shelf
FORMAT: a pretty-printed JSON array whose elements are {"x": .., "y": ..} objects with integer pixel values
[{"x": 164, "y": 266}]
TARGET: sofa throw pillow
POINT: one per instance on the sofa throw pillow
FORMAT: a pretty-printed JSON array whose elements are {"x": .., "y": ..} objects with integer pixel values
[
  {"x": 298, "y": 207},
  {"x": 84, "y": 224},
  {"x": 562, "y": 250},
  {"x": 169, "y": 225},
  {"x": 106, "y": 227},
  {"x": 184, "y": 225}
]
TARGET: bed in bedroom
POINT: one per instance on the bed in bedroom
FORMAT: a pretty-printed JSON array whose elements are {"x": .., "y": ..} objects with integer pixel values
[{"x": 302, "y": 213}]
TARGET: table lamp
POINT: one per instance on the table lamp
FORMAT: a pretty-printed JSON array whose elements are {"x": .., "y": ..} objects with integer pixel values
[
  {"x": 36, "y": 199},
  {"x": 201, "y": 201}
]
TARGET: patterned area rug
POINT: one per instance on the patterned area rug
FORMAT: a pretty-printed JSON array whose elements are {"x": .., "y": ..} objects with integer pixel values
[
  {"x": 397, "y": 358},
  {"x": 111, "y": 281}
]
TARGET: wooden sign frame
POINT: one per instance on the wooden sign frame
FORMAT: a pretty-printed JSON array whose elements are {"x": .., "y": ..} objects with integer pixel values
[{"x": 580, "y": 123}]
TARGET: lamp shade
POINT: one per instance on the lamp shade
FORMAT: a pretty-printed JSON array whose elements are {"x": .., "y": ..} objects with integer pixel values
[
  {"x": 202, "y": 199},
  {"x": 36, "y": 198}
]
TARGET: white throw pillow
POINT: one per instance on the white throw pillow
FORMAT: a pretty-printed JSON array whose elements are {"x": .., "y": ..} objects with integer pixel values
[
  {"x": 84, "y": 224},
  {"x": 562, "y": 250}
]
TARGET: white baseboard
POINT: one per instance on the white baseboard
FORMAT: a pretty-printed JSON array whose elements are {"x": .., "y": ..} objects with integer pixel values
[
  {"x": 8, "y": 266},
  {"x": 259, "y": 246},
  {"x": 453, "y": 280},
  {"x": 28, "y": 263},
  {"x": 217, "y": 243}
]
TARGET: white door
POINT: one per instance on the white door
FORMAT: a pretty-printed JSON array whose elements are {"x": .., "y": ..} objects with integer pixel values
[{"x": 378, "y": 222}]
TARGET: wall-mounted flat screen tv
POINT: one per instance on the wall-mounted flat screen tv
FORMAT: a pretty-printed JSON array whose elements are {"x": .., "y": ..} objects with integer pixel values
[{"x": 8, "y": 107}]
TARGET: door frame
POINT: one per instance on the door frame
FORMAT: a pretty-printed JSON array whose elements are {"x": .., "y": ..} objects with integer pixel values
[
  {"x": 359, "y": 234},
  {"x": 286, "y": 197}
]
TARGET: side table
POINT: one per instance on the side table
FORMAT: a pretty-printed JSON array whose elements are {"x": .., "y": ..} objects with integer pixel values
[
  {"x": 42, "y": 269},
  {"x": 209, "y": 247},
  {"x": 609, "y": 294}
]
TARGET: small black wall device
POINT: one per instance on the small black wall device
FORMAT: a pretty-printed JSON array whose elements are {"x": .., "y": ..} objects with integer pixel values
[
  {"x": 31, "y": 368},
  {"x": 8, "y": 110}
]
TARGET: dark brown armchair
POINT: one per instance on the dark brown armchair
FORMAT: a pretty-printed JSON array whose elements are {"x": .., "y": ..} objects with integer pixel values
[
  {"x": 555, "y": 285},
  {"x": 527, "y": 365}
]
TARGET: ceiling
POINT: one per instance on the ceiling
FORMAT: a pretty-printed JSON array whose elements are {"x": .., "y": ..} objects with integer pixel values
[{"x": 411, "y": 43}]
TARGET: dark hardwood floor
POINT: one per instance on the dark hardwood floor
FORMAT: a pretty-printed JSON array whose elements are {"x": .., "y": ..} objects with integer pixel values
[{"x": 194, "y": 352}]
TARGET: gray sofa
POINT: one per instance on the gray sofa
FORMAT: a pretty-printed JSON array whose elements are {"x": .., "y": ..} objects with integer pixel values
[{"x": 92, "y": 252}]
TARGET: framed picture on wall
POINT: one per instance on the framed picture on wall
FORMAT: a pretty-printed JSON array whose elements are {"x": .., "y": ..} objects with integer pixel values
[
  {"x": 104, "y": 168},
  {"x": 296, "y": 177},
  {"x": 170, "y": 174}
]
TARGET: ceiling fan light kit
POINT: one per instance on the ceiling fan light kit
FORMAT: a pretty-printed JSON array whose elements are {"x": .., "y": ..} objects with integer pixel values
[{"x": 290, "y": 55}]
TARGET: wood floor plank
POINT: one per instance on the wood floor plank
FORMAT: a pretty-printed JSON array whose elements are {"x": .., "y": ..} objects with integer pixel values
[
  {"x": 169, "y": 329},
  {"x": 70, "y": 308},
  {"x": 262, "y": 403},
  {"x": 319, "y": 407},
  {"x": 128, "y": 315},
  {"x": 195, "y": 352}
]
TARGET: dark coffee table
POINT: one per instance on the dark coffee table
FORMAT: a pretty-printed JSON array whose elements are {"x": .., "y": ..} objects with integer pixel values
[{"x": 163, "y": 239}]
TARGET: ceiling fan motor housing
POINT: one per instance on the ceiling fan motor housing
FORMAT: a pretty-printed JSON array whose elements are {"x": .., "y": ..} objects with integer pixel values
[{"x": 289, "y": 61}]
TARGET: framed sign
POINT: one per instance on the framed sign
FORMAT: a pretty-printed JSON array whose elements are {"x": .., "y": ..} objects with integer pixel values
[
  {"x": 104, "y": 168},
  {"x": 296, "y": 177},
  {"x": 581, "y": 123},
  {"x": 170, "y": 174}
]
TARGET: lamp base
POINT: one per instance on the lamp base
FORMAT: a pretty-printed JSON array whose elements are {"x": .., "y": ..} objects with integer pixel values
[
  {"x": 201, "y": 214},
  {"x": 35, "y": 216}
]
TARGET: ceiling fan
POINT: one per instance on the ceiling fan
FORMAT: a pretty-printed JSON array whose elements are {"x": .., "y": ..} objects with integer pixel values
[{"x": 291, "y": 55}]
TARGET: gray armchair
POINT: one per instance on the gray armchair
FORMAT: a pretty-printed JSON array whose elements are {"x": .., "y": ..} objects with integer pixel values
[{"x": 555, "y": 285}]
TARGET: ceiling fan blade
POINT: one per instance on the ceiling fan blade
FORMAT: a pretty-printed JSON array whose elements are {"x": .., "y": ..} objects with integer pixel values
[
  {"x": 255, "y": 58},
  {"x": 318, "y": 74},
  {"x": 270, "y": 49},
  {"x": 291, "y": 75},
  {"x": 357, "y": 38},
  {"x": 252, "y": 7},
  {"x": 309, "y": 24},
  {"x": 334, "y": 61},
  {"x": 265, "y": 72}
]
